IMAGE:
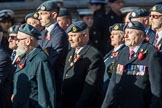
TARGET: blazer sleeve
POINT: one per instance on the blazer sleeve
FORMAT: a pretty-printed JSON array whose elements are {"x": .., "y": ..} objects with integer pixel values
[
  {"x": 59, "y": 48},
  {"x": 5, "y": 66},
  {"x": 46, "y": 86},
  {"x": 155, "y": 78},
  {"x": 93, "y": 82}
]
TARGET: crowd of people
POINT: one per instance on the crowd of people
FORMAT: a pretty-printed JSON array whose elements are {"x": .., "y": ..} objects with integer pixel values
[{"x": 107, "y": 58}]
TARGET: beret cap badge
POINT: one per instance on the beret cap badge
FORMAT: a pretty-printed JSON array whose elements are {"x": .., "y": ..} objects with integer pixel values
[
  {"x": 43, "y": 8},
  {"x": 74, "y": 29},
  {"x": 130, "y": 24},
  {"x": 133, "y": 14},
  {"x": 116, "y": 27},
  {"x": 154, "y": 8},
  {"x": 11, "y": 29},
  {"x": 35, "y": 15}
]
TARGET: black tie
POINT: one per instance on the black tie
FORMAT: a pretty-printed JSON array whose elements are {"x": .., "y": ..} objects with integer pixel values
[{"x": 13, "y": 55}]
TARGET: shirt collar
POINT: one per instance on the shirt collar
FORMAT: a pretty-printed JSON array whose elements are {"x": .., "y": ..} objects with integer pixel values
[
  {"x": 117, "y": 48},
  {"x": 49, "y": 29}
]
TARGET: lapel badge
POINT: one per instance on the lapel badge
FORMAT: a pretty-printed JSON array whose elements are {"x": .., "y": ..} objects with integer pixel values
[
  {"x": 74, "y": 29},
  {"x": 154, "y": 8},
  {"x": 71, "y": 64},
  {"x": 133, "y": 14},
  {"x": 116, "y": 27},
  {"x": 43, "y": 8}
]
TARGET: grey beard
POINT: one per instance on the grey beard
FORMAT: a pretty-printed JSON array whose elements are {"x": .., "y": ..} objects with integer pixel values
[{"x": 21, "y": 50}]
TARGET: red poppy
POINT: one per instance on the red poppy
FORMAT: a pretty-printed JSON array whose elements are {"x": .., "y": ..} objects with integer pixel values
[
  {"x": 158, "y": 47},
  {"x": 21, "y": 66},
  {"x": 142, "y": 54},
  {"x": 115, "y": 54},
  {"x": 147, "y": 39},
  {"x": 48, "y": 37},
  {"x": 18, "y": 60}
]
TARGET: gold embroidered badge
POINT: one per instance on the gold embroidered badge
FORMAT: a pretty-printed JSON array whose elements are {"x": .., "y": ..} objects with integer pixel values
[
  {"x": 154, "y": 8},
  {"x": 43, "y": 8},
  {"x": 116, "y": 27},
  {"x": 74, "y": 29}
]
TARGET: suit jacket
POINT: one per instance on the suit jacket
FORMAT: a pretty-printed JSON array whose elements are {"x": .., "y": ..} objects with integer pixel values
[
  {"x": 34, "y": 82},
  {"x": 57, "y": 48},
  {"x": 136, "y": 82},
  {"x": 83, "y": 79},
  {"x": 150, "y": 34},
  {"x": 5, "y": 79},
  {"x": 109, "y": 61}
]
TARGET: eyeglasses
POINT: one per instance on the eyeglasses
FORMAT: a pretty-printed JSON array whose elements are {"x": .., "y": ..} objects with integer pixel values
[
  {"x": 21, "y": 39},
  {"x": 13, "y": 37},
  {"x": 155, "y": 16}
]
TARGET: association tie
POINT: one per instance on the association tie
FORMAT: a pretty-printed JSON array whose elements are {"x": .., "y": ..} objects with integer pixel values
[
  {"x": 156, "y": 39},
  {"x": 131, "y": 54}
]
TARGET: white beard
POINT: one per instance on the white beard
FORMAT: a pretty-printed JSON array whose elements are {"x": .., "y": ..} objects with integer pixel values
[{"x": 20, "y": 51}]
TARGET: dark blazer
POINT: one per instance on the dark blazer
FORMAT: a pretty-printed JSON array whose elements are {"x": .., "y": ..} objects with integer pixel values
[
  {"x": 57, "y": 48},
  {"x": 34, "y": 82},
  {"x": 5, "y": 79},
  {"x": 136, "y": 83},
  {"x": 150, "y": 34},
  {"x": 83, "y": 79},
  {"x": 109, "y": 61}
]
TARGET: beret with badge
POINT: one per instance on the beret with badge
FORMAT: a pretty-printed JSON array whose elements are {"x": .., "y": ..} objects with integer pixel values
[
  {"x": 139, "y": 13},
  {"x": 157, "y": 8},
  {"x": 6, "y": 14},
  {"x": 29, "y": 30},
  {"x": 64, "y": 12},
  {"x": 77, "y": 27},
  {"x": 31, "y": 15},
  {"x": 117, "y": 26},
  {"x": 48, "y": 6},
  {"x": 135, "y": 25},
  {"x": 13, "y": 30}
]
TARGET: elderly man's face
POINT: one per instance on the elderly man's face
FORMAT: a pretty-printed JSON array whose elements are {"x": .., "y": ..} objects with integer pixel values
[
  {"x": 133, "y": 37},
  {"x": 156, "y": 20},
  {"x": 117, "y": 38},
  {"x": 76, "y": 40},
  {"x": 12, "y": 41},
  {"x": 22, "y": 42},
  {"x": 34, "y": 22}
]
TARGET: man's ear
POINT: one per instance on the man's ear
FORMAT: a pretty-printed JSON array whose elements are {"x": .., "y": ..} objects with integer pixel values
[
  {"x": 54, "y": 15},
  {"x": 28, "y": 41}
]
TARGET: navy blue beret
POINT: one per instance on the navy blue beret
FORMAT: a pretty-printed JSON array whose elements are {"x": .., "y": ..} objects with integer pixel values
[
  {"x": 13, "y": 30},
  {"x": 29, "y": 30},
  {"x": 117, "y": 26},
  {"x": 48, "y": 6},
  {"x": 157, "y": 8},
  {"x": 139, "y": 13},
  {"x": 64, "y": 12},
  {"x": 77, "y": 27},
  {"x": 98, "y": 1},
  {"x": 31, "y": 15},
  {"x": 135, "y": 25},
  {"x": 6, "y": 14}
]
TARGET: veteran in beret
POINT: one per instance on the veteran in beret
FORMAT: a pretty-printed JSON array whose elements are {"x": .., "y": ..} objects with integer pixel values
[
  {"x": 156, "y": 20},
  {"x": 54, "y": 41},
  {"x": 33, "y": 79},
  {"x": 64, "y": 18},
  {"x": 12, "y": 31},
  {"x": 136, "y": 79},
  {"x": 117, "y": 41},
  {"x": 142, "y": 16},
  {"x": 6, "y": 21},
  {"x": 6, "y": 71},
  {"x": 32, "y": 19},
  {"x": 83, "y": 73}
]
